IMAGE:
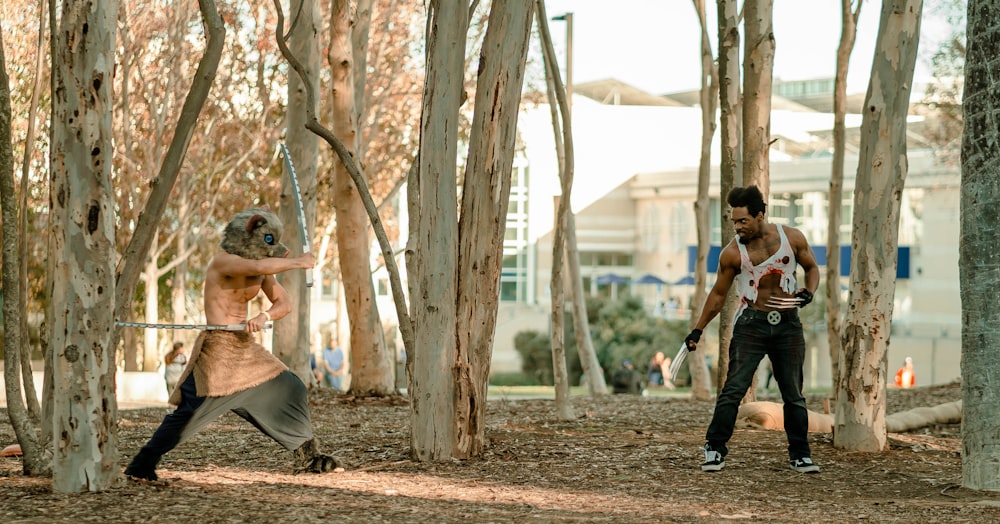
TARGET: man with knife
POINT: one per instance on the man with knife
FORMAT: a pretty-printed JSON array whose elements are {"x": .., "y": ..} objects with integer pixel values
[{"x": 762, "y": 261}]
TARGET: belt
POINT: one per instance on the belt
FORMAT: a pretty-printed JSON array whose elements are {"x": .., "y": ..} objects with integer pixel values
[{"x": 771, "y": 317}]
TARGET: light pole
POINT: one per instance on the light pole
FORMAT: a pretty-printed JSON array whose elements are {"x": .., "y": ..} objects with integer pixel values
[{"x": 568, "y": 18}]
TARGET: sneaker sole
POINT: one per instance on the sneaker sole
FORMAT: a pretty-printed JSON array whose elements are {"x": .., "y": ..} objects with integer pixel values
[
  {"x": 713, "y": 467},
  {"x": 806, "y": 469}
]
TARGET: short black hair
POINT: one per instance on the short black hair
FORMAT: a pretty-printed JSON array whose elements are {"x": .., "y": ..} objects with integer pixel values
[{"x": 748, "y": 197}]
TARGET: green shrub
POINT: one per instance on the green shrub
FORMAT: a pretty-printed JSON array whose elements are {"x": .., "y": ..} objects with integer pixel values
[
  {"x": 620, "y": 329},
  {"x": 512, "y": 378}
]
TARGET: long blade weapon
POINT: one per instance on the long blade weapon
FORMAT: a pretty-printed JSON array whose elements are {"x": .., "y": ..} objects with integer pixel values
[
  {"x": 675, "y": 365},
  {"x": 298, "y": 207},
  {"x": 203, "y": 327}
]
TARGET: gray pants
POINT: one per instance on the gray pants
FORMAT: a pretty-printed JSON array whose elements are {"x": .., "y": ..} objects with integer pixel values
[{"x": 278, "y": 407}]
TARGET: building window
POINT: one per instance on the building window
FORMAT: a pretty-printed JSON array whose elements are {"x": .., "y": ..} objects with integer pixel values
[{"x": 514, "y": 274}]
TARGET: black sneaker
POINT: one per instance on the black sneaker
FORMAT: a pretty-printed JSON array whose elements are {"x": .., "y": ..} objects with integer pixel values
[
  {"x": 714, "y": 461},
  {"x": 804, "y": 465}
]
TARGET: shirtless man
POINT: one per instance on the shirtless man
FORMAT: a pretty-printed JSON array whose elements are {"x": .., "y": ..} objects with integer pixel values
[
  {"x": 229, "y": 370},
  {"x": 761, "y": 260}
]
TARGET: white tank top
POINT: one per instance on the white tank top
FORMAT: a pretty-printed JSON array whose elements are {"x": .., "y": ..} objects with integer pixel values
[{"x": 782, "y": 263}]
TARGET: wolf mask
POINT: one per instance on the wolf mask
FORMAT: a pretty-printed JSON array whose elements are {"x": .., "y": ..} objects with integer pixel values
[{"x": 255, "y": 234}]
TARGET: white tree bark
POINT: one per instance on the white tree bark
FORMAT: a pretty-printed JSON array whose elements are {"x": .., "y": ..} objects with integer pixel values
[
  {"x": 978, "y": 264},
  {"x": 882, "y": 168},
  {"x": 83, "y": 249}
]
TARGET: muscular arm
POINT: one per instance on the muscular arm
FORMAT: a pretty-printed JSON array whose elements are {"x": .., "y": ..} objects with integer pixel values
[
  {"x": 729, "y": 267},
  {"x": 232, "y": 281},
  {"x": 236, "y": 266},
  {"x": 805, "y": 258}
]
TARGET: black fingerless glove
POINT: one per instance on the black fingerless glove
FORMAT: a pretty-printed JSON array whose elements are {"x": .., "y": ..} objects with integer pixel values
[
  {"x": 695, "y": 336},
  {"x": 805, "y": 296}
]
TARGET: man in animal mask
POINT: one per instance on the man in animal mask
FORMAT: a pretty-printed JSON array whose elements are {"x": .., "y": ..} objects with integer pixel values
[{"x": 229, "y": 370}]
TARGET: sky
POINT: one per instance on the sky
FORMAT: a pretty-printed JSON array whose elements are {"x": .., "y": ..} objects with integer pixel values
[{"x": 654, "y": 44}]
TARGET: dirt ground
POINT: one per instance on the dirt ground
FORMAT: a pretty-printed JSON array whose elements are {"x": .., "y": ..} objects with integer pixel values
[{"x": 625, "y": 459}]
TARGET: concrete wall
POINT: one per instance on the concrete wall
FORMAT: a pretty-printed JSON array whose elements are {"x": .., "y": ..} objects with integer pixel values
[{"x": 134, "y": 387}]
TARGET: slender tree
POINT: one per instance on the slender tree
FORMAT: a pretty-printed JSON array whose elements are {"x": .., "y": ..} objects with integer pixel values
[
  {"x": 758, "y": 66},
  {"x": 731, "y": 163},
  {"x": 882, "y": 168},
  {"x": 563, "y": 137},
  {"x": 292, "y": 338},
  {"x": 850, "y": 11},
  {"x": 25, "y": 429},
  {"x": 978, "y": 267},
  {"x": 709, "y": 101},
  {"x": 562, "y": 121},
  {"x": 371, "y": 363}
]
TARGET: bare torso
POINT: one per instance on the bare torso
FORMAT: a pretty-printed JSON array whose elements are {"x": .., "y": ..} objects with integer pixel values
[
  {"x": 227, "y": 296},
  {"x": 760, "y": 250}
]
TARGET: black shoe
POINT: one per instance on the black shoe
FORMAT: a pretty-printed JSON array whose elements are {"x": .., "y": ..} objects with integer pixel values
[
  {"x": 143, "y": 467},
  {"x": 714, "y": 461},
  {"x": 804, "y": 465},
  {"x": 309, "y": 459}
]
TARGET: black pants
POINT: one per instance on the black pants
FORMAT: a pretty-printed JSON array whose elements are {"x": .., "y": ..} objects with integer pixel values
[{"x": 784, "y": 344}]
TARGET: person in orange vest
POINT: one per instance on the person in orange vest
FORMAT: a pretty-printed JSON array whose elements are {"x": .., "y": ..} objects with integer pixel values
[{"x": 905, "y": 377}]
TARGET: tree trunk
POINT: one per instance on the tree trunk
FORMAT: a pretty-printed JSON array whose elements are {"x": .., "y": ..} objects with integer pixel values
[
  {"x": 485, "y": 194},
  {"x": 758, "y": 66},
  {"x": 371, "y": 363},
  {"x": 557, "y": 106},
  {"x": 85, "y": 409},
  {"x": 848, "y": 32},
  {"x": 701, "y": 385},
  {"x": 592, "y": 370},
  {"x": 433, "y": 272},
  {"x": 882, "y": 167},
  {"x": 977, "y": 252},
  {"x": 24, "y": 218},
  {"x": 34, "y": 462},
  {"x": 150, "y": 340},
  {"x": 291, "y": 340},
  {"x": 731, "y": 165}
]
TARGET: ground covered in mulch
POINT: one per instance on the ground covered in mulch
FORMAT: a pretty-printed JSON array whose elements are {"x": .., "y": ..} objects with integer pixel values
[{"x": 625, "y": 459}]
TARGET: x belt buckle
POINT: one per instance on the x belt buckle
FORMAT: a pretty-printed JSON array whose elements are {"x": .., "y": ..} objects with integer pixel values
[{"x": 774, "y": 317}]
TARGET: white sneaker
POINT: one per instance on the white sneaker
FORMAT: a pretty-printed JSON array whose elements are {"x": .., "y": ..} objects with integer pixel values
[
  {"x": 714, "y": 461},
  {"x": 804, "y": 465}
]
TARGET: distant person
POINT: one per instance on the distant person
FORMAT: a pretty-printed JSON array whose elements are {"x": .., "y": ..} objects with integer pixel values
[
  {"x": 905, "y": 377},
  {"x": 332, "y": 365},
  {"x": 627, "y": 380},
  {"x": 174, "y": 366},
  {"x": 656, "y": 370}
]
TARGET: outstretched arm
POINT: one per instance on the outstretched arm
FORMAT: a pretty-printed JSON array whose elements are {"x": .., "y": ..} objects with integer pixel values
[{"x": 236, "y": 266}]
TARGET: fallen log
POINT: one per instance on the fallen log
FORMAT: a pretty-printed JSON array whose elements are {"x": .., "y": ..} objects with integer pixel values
[
  {"x": 769, "y": 415},
  {"x": 916, "y": 418}
]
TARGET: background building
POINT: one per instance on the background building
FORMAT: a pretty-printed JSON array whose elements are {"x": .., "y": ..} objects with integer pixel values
[{"x": 634, "y": 189}]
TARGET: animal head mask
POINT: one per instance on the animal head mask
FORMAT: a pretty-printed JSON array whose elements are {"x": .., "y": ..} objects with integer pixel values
[{"x": 255, "y": 234}]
